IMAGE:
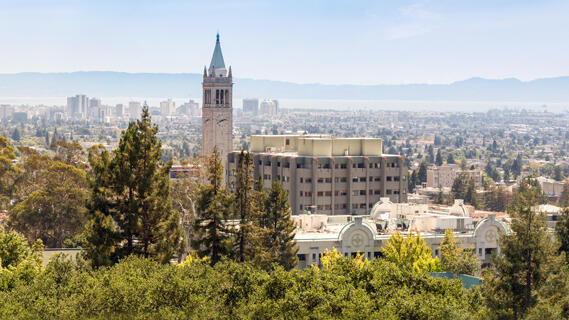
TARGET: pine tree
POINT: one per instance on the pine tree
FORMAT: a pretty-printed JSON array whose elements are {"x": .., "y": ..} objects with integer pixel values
[
  {"x": 279, "y": 229},
  {"x": 439, "y": 160},
  {"x": 246, "y": 209},
  {"x": 412, "y": 182},
  {"x": 562, "y": 232},
  {"x": 528, "y": 258},
  {"x": 130, "y": 199},
  {"x": 16, "y": 135},
  {"x": 212, "y": 237},
  {"x": 450, "y": 159},
  {"x": 422, "y": 174}
]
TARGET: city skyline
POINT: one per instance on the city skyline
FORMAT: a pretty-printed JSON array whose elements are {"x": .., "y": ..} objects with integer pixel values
[{"x": 386, "y": 43}]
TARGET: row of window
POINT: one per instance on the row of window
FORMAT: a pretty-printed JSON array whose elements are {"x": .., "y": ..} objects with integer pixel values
[
  {"x": 344, "y": 193},
  {"x": 354, "y": 179},
  {"x": 327, "y": 165}
]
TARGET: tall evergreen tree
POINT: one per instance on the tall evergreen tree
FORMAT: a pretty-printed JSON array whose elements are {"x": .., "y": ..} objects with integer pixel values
[
  {"x": 439, "y": 159},
  {"x": 528, "y": 258},
  {"x": 16, "y": 135},
  {"x": 279, "y": 229},
  {"x": 132, "y": 189},
  {"x": 213, "y": 236},
  {"x": 246, "y": 209},
  {"x": 422, "y": 174}
]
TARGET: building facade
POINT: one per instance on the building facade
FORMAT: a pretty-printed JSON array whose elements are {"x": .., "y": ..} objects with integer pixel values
[
  {"x": 326, "y": 175},
  {"x": 251, "y": 106},
  {"x": 217, "y": 107},
  {"x": 444, "y": 176}
]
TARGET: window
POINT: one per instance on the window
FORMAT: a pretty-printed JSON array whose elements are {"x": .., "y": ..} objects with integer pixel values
[
  {"x": 287, "y": 142},
  {"x": 301, "y": 257},
  {"x": 356, "y": 193},
  {"x": 320, "y": 193},
  {"x": 344, "y": 179},
  {"x": 336, "y": 179},
  {"x": 355, "y": 179},
  {"x": 371, "y": 165},
  {"x": 353, "y": 165},
  {"x": 362, "y": 192},
  {"x": 308, "y": 180},
  {"x": 377, "y": 165},
  {"x": 320, "y": 180},
  {"x": 278, "y": 163},
  {"x": 343, "y": 166},
  {"x": 354, "y": 205},
  {"x": 301, "y": 180},
  {"x": 301, "y": 193},
  {"x": 336, "y": 166},
  {"x": 300, "y": 207},
  {"x": 363, "y": 179},
  {"x": 344, "y": 205},
  {"x": 362, "y": 205},
  {"x": 328, "y": 180},
  {"x": 268, "y": 163},
  {"x": 388, "y": 178},
  {"x": 436, "y": 252},
  {"x": 314, "y": 256},
  {"x": 395, "y": 191},
  {"x": 361, "y": 165},
  {"x": 343, "y": 193},
  {"x": 377, "y": 179},
  {"x": 376, "y": 191},
  {"x": 395, "y": 178},
  {"x": 328, "y": 193},
  {"x": 370, "y": 192},
  {"x": 308, "y": 193},
  {"x": 387, "y": 191}
]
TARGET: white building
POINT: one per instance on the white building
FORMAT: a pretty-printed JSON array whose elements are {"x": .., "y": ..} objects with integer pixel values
[
  {"x": 167, "y": 108},
  {"x": 134, "y": 109},
  {"x": 367, "y": 235}
]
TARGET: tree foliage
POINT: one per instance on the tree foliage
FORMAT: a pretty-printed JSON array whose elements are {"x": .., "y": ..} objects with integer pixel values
[
  {"x": 130, "y": 209},
  {"x": 456, "y": 259},
  {"x": 410, "y": 253}
]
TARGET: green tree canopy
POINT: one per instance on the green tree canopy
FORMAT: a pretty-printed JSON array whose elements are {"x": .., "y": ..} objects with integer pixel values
[{"x": 130, "y": 209}]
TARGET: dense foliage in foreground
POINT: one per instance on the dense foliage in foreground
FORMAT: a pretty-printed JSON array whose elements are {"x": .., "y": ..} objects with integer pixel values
[{"x": 140, "y": 287}]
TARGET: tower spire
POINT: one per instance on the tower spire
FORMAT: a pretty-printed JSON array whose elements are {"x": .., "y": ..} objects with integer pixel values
[{"x": 217, "y": 65}]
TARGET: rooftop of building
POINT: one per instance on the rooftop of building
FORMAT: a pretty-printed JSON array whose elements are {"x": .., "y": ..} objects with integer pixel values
[{"x": 315, "y": 145}]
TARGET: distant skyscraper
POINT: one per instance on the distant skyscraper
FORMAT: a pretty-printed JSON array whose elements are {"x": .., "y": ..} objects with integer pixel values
[
  {"x": 217, "y": 110},
  {"x": 251, "y": 106},
  {"x": 94, "y": 102},
  {"x": 134, "y": 110},
  {"x": 77, "y": 106},
  {"x": 119, "y": 110},
  {"x": 167, "y": 108},
  {"x": 269, "y": 107}
]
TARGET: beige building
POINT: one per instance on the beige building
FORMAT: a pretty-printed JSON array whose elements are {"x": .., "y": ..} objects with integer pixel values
[
  {"x": 326, "y": 175},
  {"x": 217, "y": 107},
  {"x": 444, "y": 176}
]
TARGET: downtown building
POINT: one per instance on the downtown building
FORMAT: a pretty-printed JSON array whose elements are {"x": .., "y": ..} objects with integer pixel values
[{"x": 327, "y": 175}]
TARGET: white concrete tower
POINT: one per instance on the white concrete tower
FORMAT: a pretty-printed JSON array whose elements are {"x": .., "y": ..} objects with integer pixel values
[{"x": 217, "y": 107}]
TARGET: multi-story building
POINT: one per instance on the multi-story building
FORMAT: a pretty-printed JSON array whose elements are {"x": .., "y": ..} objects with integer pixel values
[
  {"x": 327, "y": 175},
  {"x": 167, "y": 108},
  {"x": 77, "y": 106},
  {"x": 217, "y": 106},
  {"x": 269, "y": 107},
  {"x": 6, "y": 111},
  {"x": 444, "y": 176},
  {"x": 251, "y": 106},
  {"x": 134, "y": 110}
]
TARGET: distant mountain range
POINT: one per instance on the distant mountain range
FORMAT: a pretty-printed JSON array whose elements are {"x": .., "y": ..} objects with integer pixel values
[{"x": 121, "y": 84}]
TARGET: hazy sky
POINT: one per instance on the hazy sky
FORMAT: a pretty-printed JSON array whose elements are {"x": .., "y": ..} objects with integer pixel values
[{"x": 328, "y": 41}]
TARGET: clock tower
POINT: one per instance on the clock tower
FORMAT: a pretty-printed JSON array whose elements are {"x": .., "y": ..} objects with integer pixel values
[{"x": 217, "y": 107}]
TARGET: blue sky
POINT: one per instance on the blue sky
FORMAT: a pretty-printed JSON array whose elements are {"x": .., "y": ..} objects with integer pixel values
[{"x": 327, "y": 41}]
